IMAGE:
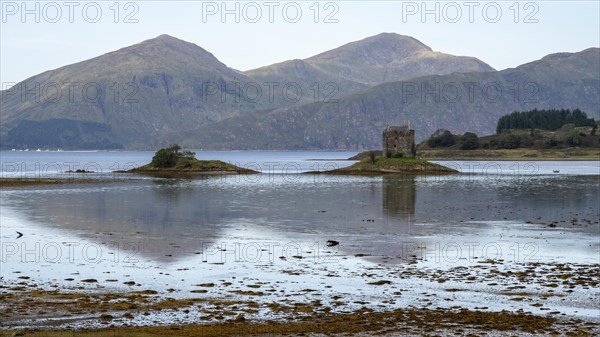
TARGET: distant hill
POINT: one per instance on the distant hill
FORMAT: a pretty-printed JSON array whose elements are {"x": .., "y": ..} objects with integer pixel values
[
  {"x": 148, "y": 89},
  {"x": 165, "y": 90},
  {"x": 471, "y": 102},
  {"x": 355, "y": 66},
  {"x": 144, "y": 96}
]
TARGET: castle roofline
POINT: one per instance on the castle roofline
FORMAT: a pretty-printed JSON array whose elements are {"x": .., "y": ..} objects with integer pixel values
[{"x": 401, "y": 128}]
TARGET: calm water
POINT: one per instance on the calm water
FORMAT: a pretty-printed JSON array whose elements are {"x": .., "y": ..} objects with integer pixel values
[
  {"x": 36, "y": 164},
  {"x": 134, "y": 226},
  {"x": 42, "y": 164}
]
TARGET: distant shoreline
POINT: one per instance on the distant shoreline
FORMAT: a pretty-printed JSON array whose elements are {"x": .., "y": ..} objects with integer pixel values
[
  {"x": 18, "y": 182},
  {"x": 514, "y": 155},
  {"x": 195, "y": 150},
  {"x": 525, "y": 154},
  {"x": 446, "y": 155}
]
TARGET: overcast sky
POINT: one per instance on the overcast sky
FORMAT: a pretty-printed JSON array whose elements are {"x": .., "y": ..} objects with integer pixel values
[{"x": 502, "y": 33}]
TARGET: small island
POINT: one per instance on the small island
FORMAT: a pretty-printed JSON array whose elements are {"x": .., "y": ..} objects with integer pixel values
[
  {"x": 402, "y": 165},
  {"x": 172, "y": 161},
  {"x": 397, "y": 157}
]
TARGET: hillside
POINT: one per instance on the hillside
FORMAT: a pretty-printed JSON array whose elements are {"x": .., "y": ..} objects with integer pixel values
[
  {"x": 355, "y": 66},
  {"x": 471, "y": 102},
  {"x": 146, "y": 95},
  {"x": 146, "y": 90},
  {"x": 165, "y": 90},
  {"x": 567, "y": 142}
]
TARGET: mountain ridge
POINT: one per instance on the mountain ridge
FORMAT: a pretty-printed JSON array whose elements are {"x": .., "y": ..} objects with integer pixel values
[
  {"x": 168, "y": 89},
  {"x": 564, "y": 80},
  {"x": 357, "y": 65},
  {"x": 138, "y": 92}
]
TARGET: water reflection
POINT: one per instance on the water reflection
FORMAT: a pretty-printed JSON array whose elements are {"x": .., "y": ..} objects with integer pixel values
[
  {"x": 398, "y": 197},
  {"x": 541, "y": 199},
  {"x": 162, "y": 217},
  {"x": 175, "y": 218}
]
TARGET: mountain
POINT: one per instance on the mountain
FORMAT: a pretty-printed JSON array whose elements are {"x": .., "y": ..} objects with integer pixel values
[
  {"x": 459, "y": 102},
  {"x": 131, "y": 96},
  {"x": 148, "y": 94},
  {"x": 356, "y": 66},
  {"x": 166, "y": 90}
]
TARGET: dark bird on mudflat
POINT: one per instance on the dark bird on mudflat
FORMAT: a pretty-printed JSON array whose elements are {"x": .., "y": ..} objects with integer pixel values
[
  {"x": 20, "y": 234},
  {"x": 331, "y": 243}
]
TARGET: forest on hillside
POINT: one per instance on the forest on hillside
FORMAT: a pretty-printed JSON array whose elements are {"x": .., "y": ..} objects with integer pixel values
[{"x": 550, "y": 120}]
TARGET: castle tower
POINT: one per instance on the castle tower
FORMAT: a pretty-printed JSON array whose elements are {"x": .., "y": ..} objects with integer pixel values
[{"x": 399, "y": 141}]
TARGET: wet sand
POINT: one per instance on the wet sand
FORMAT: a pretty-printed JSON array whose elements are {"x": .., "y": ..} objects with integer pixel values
[
  {"x": 536, "y": 273},
  {"x": 552, "y": 299}
]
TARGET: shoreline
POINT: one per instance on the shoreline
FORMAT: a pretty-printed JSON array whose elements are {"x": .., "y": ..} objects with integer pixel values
[
  {"x": 514, "y": 155},
  {"x": 523, "y": 159},
  {"x": 500, "y": 155},
  {"x": 183, "y": 173},
  {"x": 21, "y": 182},
  {"x": 387, "y": 166},
  {"x": 410, "y": 321},
  {"x": 137, "y": 310}
]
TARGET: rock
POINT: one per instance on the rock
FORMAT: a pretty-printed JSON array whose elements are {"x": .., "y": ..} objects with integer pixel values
[{"x": 332, "y": 243}]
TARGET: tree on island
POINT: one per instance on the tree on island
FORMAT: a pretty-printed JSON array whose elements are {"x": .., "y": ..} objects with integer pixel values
[{"x": 168, "y": 157}]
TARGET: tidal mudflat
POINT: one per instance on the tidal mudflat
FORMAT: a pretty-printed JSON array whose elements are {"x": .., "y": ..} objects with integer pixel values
[{"x": 497, "y": 254}]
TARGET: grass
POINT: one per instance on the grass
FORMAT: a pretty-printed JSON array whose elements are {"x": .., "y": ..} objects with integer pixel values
[
  {"x": 193, "y": 165},
  {"x": 394, "y": 165},
  {"x": 513, "y": 154}
]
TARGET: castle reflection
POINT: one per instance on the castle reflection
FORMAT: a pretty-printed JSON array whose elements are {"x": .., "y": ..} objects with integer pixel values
[{"x": 399, "y": 197}]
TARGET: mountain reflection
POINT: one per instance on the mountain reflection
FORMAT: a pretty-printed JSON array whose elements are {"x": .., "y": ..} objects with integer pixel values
[
  {"x": 166, "y": 217},
  {"x": 170, "y": 219}
]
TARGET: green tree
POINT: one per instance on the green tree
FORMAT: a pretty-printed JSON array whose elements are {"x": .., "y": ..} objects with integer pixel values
[
  {"x": 441, "y": 138},
  {"x": 552, "y": 142},
  {"x": 168, "y": 157},
  {"x": 372, "y": 157},
  {"x": 575, "y": 139},
  {"x": 511, "y": 142},
  {"x": 469, "y": 141},
  {"x": 543, "y": 119}
]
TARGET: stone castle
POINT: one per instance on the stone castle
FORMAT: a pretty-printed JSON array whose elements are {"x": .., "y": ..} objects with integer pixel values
[{"x": 399, "y": 141}]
